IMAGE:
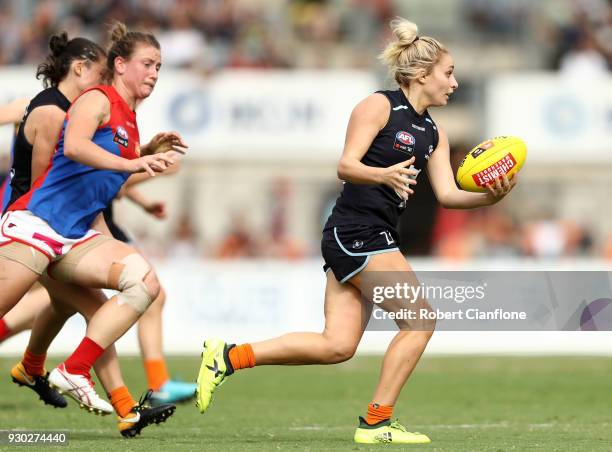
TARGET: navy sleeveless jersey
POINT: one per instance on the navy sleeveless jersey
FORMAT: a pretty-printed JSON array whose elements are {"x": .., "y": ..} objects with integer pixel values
[
  {"x": 406, "y": 134},
  {"x": 21, "y": 172}
]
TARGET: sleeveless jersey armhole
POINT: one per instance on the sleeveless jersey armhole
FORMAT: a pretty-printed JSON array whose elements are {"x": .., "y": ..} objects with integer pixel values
[
  {"x": 436, "y": 135},
  {"x": 390, "y": 107},
  {"x": 110, "y": 103},
  {"x": 23, "y": 123}
]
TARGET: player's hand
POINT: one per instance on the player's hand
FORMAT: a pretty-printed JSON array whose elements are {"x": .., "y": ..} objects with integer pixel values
[
  {"x": 156, "y": 209},
  {"x": 150, "y": 164},
  {"x": 502, "y": 186},
  {"x": 400, "y": 178},
  {"x": 164, "y": 142}
]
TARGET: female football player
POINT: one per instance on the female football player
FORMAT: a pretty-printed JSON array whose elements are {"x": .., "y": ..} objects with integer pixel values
[
  {"x": 390, "y": 139},
  {"x": 97, "y": 150},
  {"x": 71, "y": 67}
]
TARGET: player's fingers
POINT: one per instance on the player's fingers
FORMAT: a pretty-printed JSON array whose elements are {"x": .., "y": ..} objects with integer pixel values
[
  {"x": 164, "y": 157},
  {"x": 408, "y": 171},
  {"x": 408, "y": 162},
  {"x": 158, "y": 165},
  {"x": 177, "y": 139},
  {"x": 505, "y": 182},
  {"x": 498, "y": 184},
  {"x": 400, "y": 180},
  {"x": 148, "y": 169},
  {"x": 179, "y": 148}
]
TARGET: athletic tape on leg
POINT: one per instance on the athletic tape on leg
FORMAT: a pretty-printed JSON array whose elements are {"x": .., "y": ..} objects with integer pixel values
[
  {"x": 25, "y": 255},
  {"x": 133, "y": 289}
]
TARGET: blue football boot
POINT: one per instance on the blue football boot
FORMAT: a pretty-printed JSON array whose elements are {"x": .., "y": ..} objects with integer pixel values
[{"x": 173, "y": 392}]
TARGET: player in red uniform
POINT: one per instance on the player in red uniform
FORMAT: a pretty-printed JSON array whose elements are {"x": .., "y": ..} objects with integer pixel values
[
  {"x": 72, "y": 67},
  {"x": 98, "y": 149}
]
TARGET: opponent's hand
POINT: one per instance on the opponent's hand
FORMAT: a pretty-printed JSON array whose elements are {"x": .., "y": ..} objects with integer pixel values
[
  {"x": 150, "y": 164},
  {"x": 502, "y": 186},
  {"x": 164, "y": 142},
  {"x": 400, "y": 178},
  {"x": 156, "y": 209}
]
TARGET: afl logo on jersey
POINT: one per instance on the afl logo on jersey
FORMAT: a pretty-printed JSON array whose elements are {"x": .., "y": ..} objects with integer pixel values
[
  {"x": 404, "y": 142},
  {"x": 121, "y": 137}
]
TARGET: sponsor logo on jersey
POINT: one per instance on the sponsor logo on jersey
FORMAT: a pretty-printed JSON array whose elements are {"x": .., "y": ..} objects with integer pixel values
[
  {"x": 414, "y": 126},
  {"x": 400, "y": 107},
  {"x": 404, "y": 137},
  {"x": 404, "y": 142},
  {"x": 121, "y": 137},
  {"x": 357, "y": 244}
]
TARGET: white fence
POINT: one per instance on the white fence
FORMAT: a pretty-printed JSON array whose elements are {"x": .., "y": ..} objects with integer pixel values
[{"x": 254, "y": 300}]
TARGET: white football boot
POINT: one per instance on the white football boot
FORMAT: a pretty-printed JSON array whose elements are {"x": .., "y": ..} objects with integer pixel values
[{"x": 79, "y": 388}]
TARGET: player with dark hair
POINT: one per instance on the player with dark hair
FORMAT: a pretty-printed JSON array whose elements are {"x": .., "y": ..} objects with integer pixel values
[
  {"x": 97, "y": 150},
  {"x": 65, "y": 74}
]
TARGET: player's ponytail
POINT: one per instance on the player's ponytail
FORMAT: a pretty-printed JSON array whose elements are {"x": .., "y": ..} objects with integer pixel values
[
  {"x": 410, "y": 56},
  {"x": 123, "y": 42},
  {"x": 63, "y": 52},
  {"x": 58, "y": 43},
  {"x": 118, "y": 32}
]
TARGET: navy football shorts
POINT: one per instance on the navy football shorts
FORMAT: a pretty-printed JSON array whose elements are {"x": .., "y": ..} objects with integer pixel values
[{"x": 347, "y": 249}]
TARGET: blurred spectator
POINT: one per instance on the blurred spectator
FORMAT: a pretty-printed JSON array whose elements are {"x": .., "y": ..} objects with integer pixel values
[
  {"x": 499, "y": 234},
  {"x": 581, "y": 45},
  {"x": 280, "y": 244},
  {"x": 496, "y": 17},
  {"x": 553, "y": 238},
  {"x": 607, "y": 248},
  {"x": 182, "y": 44},
  {"x": 453, "y": 236},
  {"x": 238, "y": 243},
  {"x": 184, "y": 243},
  {"x": 584, "y": 59}
]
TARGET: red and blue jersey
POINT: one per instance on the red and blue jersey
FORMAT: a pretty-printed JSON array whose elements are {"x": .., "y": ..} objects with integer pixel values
[
  {"x": 5, "y": 193},
  {"x": 69, "y": 195}
]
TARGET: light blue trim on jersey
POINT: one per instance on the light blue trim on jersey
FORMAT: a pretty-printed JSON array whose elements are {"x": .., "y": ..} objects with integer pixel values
[
  {"x": 346, "y": 278},
  {"x": 367, "y": 253}
]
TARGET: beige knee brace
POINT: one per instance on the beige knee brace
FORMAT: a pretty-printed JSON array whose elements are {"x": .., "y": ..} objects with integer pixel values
[{"x": 128, "y": 276}]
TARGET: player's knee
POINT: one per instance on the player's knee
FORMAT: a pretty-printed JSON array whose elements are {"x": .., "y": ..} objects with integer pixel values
[
  {"x": 420, "y": 337},
  {"x": 136, "y": 281},
  {"x": 160, "y": 300},
  {"x": 153, "y": 286},
  {"x": 341, "y": 351},
  {"x": 426, "y": 335}
]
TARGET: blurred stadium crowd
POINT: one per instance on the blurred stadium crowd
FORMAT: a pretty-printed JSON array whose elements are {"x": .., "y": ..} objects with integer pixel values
[
  {"x": 572, "y": 36},
  {"x": 213, "y": 34}
]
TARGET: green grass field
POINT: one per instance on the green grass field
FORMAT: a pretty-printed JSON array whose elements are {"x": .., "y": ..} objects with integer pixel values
[{"x": 462, "y": 403}]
